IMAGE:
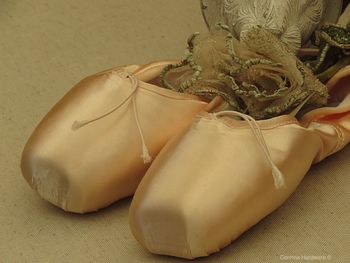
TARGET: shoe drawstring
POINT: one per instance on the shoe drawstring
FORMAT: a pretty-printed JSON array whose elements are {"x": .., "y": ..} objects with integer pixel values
[
  {"x": 255, "y": 128},
  {"x": 135, "y": 84}
]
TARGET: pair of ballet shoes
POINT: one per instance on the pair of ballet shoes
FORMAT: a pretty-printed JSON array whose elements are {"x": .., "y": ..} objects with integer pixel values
[{"x": 212, "y": 177}]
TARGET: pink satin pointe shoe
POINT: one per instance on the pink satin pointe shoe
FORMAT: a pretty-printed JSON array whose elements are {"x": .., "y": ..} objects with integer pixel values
[
  {"x": 95, "y": 145},
  {"x": 221, "y": 176}
]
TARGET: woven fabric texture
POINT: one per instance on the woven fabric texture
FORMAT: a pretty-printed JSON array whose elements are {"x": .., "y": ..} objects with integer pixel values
[{"x": 45, "y": 48}]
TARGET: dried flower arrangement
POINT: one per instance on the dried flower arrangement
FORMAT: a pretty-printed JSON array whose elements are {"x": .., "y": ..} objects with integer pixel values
[{"x": 264, "y": 57}]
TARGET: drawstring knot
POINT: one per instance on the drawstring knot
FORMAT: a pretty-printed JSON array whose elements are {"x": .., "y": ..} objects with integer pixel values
[
  {"x": 256, "y": 130},
  {"x": 147, "y": 158}
]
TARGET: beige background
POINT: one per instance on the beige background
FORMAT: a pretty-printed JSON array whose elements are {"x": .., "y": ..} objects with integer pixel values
[{"x": 48, "y": 45}]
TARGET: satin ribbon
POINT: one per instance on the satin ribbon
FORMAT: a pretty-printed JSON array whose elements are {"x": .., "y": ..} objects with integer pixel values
[{"x": 256, "y": 130}]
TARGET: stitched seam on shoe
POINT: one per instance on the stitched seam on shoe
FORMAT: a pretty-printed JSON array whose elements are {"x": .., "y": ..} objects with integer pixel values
[
  {"x": 189, "y": 97},
  {"x": 109, "y": 71},
  {"x": 263, "y": 127},
  {"x": 169, "y": 96},
  {"x": 269, "y": 127},
  {"x": 148, "y": 66}
]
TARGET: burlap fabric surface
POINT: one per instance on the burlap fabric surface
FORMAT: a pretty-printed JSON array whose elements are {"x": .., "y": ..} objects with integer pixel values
[{"x": 45, "y": 48}]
